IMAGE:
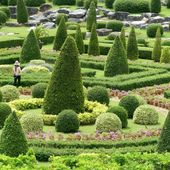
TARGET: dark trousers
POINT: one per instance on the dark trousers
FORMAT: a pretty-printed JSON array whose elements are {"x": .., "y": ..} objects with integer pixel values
[{"x": 17, "y": 80}]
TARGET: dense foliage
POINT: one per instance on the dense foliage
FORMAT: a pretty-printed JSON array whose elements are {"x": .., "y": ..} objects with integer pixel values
[
  {"x": 13, "y": 141},
  {"x": 38, "y": 90},
  {"x": 34, "y": 3},
  {"x": 3, "y": 17},
  {"x": 22, "y": 13},
  {"x": 165, "y": 57},
  {"x": 114, "y": 25},
  {"x": 60, "y": 16},
  {"x": 64, "y": 2},
  {"x": 109, "y": 3},
  {"x": 67, "y": 121},
  {"x": 152, "y": 29},
  {"x": 155, "y": 6},
  {"x": 65, "y": 90},
  {"x": 99, "y": 94}
]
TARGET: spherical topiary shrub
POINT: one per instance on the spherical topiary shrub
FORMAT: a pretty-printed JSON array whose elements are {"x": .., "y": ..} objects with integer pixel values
[
  {"x": 152, "y": 29},
  {"x": 60, "y": 16},
  {"x": 5, "y": 111},
  {"x": 34, "y": 3},
  {"x": 108, "y": 122},
  {"x": 67, "y": 122},
  {"x": 0, "y": 96},
  {"x": 140, "y": 99},
  {"x": 145, "y": 115},
  {"x": 9, "y": 93},
  {"x": 114, "y": 25},
  {"x": 99, "y": 94},
  {"x": 167, "y": 94},
  {"x": 3, "y": 17},
  {"x": 32, "y": 122},
  {"x": 130, "y": 103},
  {"x": 121, "y": 113},
  {"x": 38, "y": 90}
]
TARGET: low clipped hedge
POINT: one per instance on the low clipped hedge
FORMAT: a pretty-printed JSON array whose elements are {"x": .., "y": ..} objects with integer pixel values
[
  {"x": 137, "y": 6},
  {"x": 115, "y": 25},
  {"x": 152, "y": 29}
]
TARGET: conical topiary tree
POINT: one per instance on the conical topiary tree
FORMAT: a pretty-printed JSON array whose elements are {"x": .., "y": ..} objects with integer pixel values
[
  {"x": 168, "y": 4},
  {"x": 91, "y": 16},
  {"x": 123, "y": 37},
  {"x": 156, "y": 53},
  {"x": 22, "y": 13},
  {"x": 65, "y": 90},
  {"x": 13, "y": 141},
  {"x": 132, "y": 46},
  {"x": 116, "y": 62},
  {"x": 30, "y": 48},
  {"x": 155, "y": 6},
  {"x": 165, "y": 57},
  {"x": 93, "y": 48},
  {"x": 61, "y": 35},
  {"x": 164, "y": 140},
  {"x": 79, "y": 40}
]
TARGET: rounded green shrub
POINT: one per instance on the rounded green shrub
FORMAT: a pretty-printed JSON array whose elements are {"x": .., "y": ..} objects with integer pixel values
[
  {"x": 5, "y": 111},
  {"x": 32, "y": 122},
  {"x": 101, "y": 24},
  {"x": 111, "y": 36},
  {"x": 108, "y": 122},
  {"x": 38, "y": 90},
  {"x": 88, "y": 2},
  {"x": 80, "y": 3},
  {"x": 64, "y": 2},
  {"x": 13, "y": 141},
  {"x": 3, "y": 17},
  {"x": 34, "y": 3},
  {"x": 141, "y": 100},
  {"x": 167, "y": 94},
  {"x": 60, "y": 16},
  {"x": 137, "y": 6},
  {"x": 67, "y": 122},
  {"x": 152, "y": 29},
  {"x": 0, "y": 96},
  {"x": 130, "y": 103},
  {"x": 114, "y": 25},
  {"x": 121, "y": 113},
  {"x": 99, "y": 94},
  {"x": 109, "y": 3},
  {"x": 9, "y": 93},
  {"x": 145, "y": 115},
  {"x": 6, "y": 11}
]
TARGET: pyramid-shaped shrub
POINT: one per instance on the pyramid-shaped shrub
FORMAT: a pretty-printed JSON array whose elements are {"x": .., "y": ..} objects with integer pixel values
[
  {"x": 93, "y": 48},
  {"x": 30, "y": 49},
  {"x": 91, "y": 16},
  {"x": 132, "y": 46},
  {"x": 61, "y": 35},
  {"x": 65, "y": 90},
  {"x": 116, "y": 62},
  {"x": 156, "y": 52},
  {"x": 22, "y": 13},
  {"x": 164, "y": 140},
  {"x": 79, "y": 40},
  {"x": 123, "y": 37},
  {"x": 13, "y": 141}
]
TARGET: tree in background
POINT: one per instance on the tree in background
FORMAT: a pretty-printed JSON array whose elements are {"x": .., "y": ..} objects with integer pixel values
[{"x": 22, "y": 13}]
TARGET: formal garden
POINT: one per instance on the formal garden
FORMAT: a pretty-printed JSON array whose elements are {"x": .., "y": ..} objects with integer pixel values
[{"x": 84, "y": 84}]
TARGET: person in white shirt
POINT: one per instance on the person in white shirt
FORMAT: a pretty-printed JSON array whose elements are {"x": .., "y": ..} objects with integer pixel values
[{"x": 17, "y": 73}]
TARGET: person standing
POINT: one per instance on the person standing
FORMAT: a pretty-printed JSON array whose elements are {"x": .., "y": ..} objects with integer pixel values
[{"x": 17, "y": 73}]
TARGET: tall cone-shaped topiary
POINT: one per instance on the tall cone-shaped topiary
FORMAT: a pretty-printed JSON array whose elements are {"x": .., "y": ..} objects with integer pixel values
[
  {"x": 116, "y": 62},
  {"x": 91, "y": 16},
  {"x": 65, "y": 90},
  {"x": 132, "y": 46},
  {"x": 13, "y": 141},
  {"x": 22, "y": 13},
  {"x": 123, "y": 37},
  {"x": 155, "y": 6},
  {"x": 165, "y": 57},
  {"x": 156, "y": 53},
  {"x": 30, "y": 48},
  {"x": 93, "y": 48},
  {"x": 164, "y": 140},
  {"x": 61, "y": 35},
  {"x": 79, "y": 40}
]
